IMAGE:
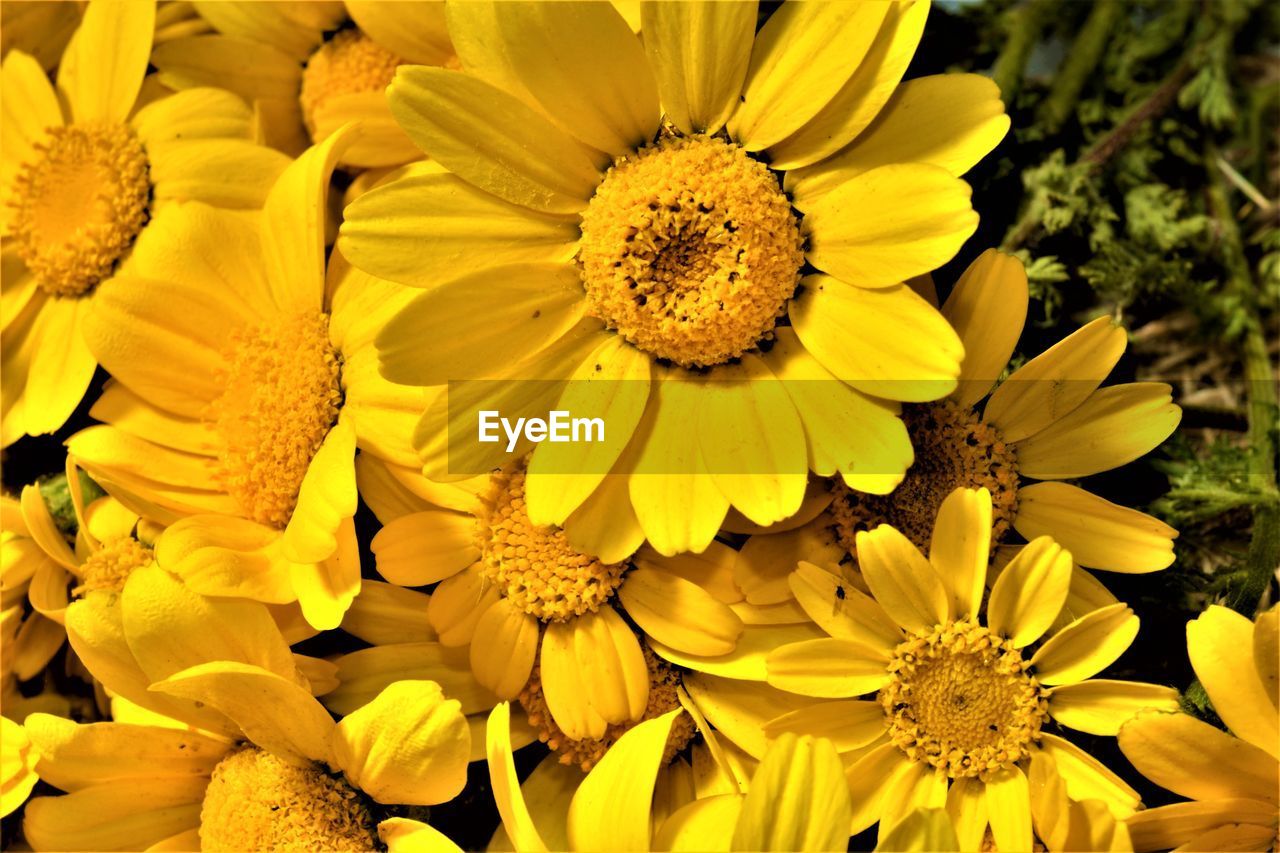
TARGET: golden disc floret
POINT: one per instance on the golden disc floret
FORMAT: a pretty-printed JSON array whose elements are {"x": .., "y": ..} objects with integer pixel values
[
  {"x": 256, "y": 801},
  {"x": 690, "y": 250},
  {"x": 109, "y": 566},
  {"x": 664, "y": 682},
  {"x": 78, "y": 204},
  {"x": 961, "y": 700},
  {"x": 350, "y": 63},
  {"x": 954, "y": 448},
  {"x": 535, "y": 568},
  {"x": 280, "y": 396}
]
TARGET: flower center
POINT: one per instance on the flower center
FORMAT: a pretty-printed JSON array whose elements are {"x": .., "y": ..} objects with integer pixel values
[
  {"x": 954, "y": 449},
  {"x": 664, "y": 681},
  {"x": 256, "y": 801},
  {"x": 280, "y": 396},
  {"x": 535, "y": 568},
  {"x": 690, "y": 250},
  {"x": 78, "y": 206},
  {"x": 350, "y": 63},
  {"x": 110, "y": 566},
  {"x": 961, "y": 700}
]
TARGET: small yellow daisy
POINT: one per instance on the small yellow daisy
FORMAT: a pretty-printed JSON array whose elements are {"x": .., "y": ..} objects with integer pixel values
[
  {"x": 641, "y": 218},
  {"x": 86, "y": 167}
]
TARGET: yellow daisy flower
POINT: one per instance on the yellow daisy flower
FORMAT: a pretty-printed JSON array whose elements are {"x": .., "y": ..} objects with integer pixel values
[
  {"x": 305, "y": 80},
  {"x": 1233, "y": 782},
  {"x": 85, "y": 167},
  {"x": 637, "y": 217},
  {"x": 962, "y": 701},
  {"x": 223, "y": 668},
  {"x": 17, "y": 766},
  {"x": 245, "y": 379},
  {"x": 543, "y": 622},
  {"x": 1049, "y": 420}
]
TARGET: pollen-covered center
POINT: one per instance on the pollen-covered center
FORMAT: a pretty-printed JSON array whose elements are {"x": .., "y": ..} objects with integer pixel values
[
  {"x": 79, "y": 204},
  {"x": 954, "y": 449},
  {"x": 110, "y": 566},
  {"x": 664, "y": 682},
  {"x": 350, "y": 63},
  {"x": 280, "y": 396},
  {"x": 690, "y": 250},
  {"x": 961, "y": 700},
  {"x": 256, "y": 801},
  {"x": 536, "y": 568}
]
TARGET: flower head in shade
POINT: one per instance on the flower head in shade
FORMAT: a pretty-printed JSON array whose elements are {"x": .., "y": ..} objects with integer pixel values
[
  {"x": 963, "y": 692},
  {"x": 1233, "y": 783},
  {"x": 634, "y": 225},
  {"x": 316, "y": 67},
  {"x": 248, "y": 759},
  {"x": 244, "y": 380},
  {"x": 88, "y": 166}
]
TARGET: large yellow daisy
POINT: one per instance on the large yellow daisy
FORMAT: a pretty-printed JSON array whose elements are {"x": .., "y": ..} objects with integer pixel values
[
  {"x": 224, "y": 669},
  {"x": 86, "y": 167},
  {"x": 642, "y": 218},
  {"x": 1233, "y": 782},
  {"x": 962, "y": 702},
  {"x": 245, "y": 379},
  {"x": 304, "y": 79}
]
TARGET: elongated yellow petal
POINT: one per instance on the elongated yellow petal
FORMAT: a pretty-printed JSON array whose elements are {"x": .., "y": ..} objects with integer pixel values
[
  {"x": 364, "y": 674},
  {"x": 606, "y": 525},
  {"x": 747, "y": 660},
  {"x": 1101, "y": 706},
  {"x": 828, "y": 668},
  {"x": 1086, "y": 646},
  {"x": 798, "y": 799},
  {"x": 901, "y": 579},
  {"x": 102, "y": 69},
  {"x": 988, "y": 308},
  {"x": 1196, "y": 760},
  {"x": 679, "y": 613},
  {"x": 914, "y": 786},
  {"x": 115, "y": 817},
  {"x": 425, "y": 547},
  {"x": 18, "y": 764},
  {"x": 967, "y": 809},
  {"x": 503, "y": 649},
  {"x": 1009, "y": 809},
  {"x": 30, "y": 108},
  {"x": 402, "y": 835},
  {"x": 1170, "y": 827},
  {"x": 1099, "y": 534},
  {"x": 763, "y": 566},
  {"x": 868, "y": 778},
  {"x": 457, "y": 605},
  {"x": 960, "y": 548},
  {"x": 326, "y": 588},
  {"x": 416, "y": 32},
  {"x": 506, "y": 786},
  {"x": 1220, "y": 645},
  {"x": 848, "y": 723},
  {"x": 739, "y": 709},
  {"x": 1088, "y": 778},
  {"x": 843, "y": 611},
  {"x": 326, "y": 498},
  {"x": 1030, "y": 592},
  {"x": 922, "y": 830}
]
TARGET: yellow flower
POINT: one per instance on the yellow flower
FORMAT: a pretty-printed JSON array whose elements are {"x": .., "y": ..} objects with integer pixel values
[
  {"x": 17, "y": 766},
  {"x": 637, "y": 217},
  {"x": 258, "y": 766},
  {"x": 962, "y": 698},
  {"x": 538, "y": 620},
  {"x": 245, "y": 379},
  {"x": 86, "y": 168},
  {"x": 304, "y": 86},
  {"x": 1049, "y": 420},
  {"x": 1232, "y": 782}
]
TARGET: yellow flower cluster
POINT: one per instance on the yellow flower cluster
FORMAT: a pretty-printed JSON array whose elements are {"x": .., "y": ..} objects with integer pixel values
[{"x": 826, "y": 566}]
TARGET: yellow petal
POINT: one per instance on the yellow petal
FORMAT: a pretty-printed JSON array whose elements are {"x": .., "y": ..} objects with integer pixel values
[
  {"x": 679, "y": 613},
  {"x": 491, "y": 139},
  {"x": 611, "y": 663},
  {"x": 765, "y": 562},
  {"x": 364, "y": 674},
  {"x": 1116, "y": 425},
  {"x": 326, "y": 499},
  {"x": 1172, "y": 826},
  {"x": 18, "y": 762},
  {"x": 888, "y": 341},
  {"x": 960, "y": 548},
  {"x": 712, "y": 569},
  {"x": 503, "y": 649},
  {"x": 429, "y": 227},
  {"x": 295, "y": 28},
  {"x": 916, "y": 785},
  {"x": 114, "y": 816},
  {"x": 798, "y": 800},
  {"x": 425, "y": 547},
  {"x": 1055, "y": 382},
  {"x": 1196, "y": 760},
  {"x": 326, "y": 588},
  {"x": 273, "y": 712},
  {"x": 201, "y": 113},
  {"x": 867, "y": 780},
  {"x": 967, "y": 810},
  {"x": 564, "y": 686},
  {"x": 506, "y": 786},
  {"x": 889, "y": 224},
  {"x": 848, "y": 724},
  {"x": 752, "y": 441},
  {"x": 385, "y": 614},
  {"x": 747, "y": 660},
  {"x": 699, "y": 53},
  {"x": 901, "y": 579},
  {"x": 606, "y": 525},
  {"x": 842, "y": 610},
  {"x": 402, "y": 835},
  {"x": 251, "y": 69},
  {"x": 1099, "y": 534},
  {"x": 739, "y": 710},
  {"x": 1009, "y": 809},
  {"x": 102, "y": 70},
  {"x": 581, "y": 64},
  {"x": 1085, "y": 594},
  {"x": 1266, "y": 655},
  {"x": 40, "y": 526},
  {"x": 1086, "y": 646},
  {"x": 922, "y": 830},
  {"x": 457, "y": 604},
  {"x": 30, "y": 107},
  {"x": 1087, "y": 778},
  {"x": 1220, "y": 645},
  {"x": 60, "y": 363},
  {"x": 801, "y": 58},
  {"x": 987, "y": 308},
  {"x": 703, "y": 824},
  {"x": 1030, "y": 592},
  {"x": 235, "y": 174},
  {"x": 828, "y": 668},
  {"x": 611, "y": 808},
  {"x": 415, "y": 32},
  {"x": 1101, "y": 706},
  {"x": 611, "y": 384},
  {"x": 409, "y": 745},
  {"x": 223, "y": 556},
  {"x": 946, "y": 120}
]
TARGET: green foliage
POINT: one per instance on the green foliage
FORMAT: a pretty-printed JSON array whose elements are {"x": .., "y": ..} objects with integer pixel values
[
  {"x": 1206, "y": 483},
  {"x": 57, "y": 497}
]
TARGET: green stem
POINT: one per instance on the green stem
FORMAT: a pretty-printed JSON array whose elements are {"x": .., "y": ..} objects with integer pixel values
[
  {"x": 1086, "y": 52},
  {"x": 1023, "y": 25}
]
